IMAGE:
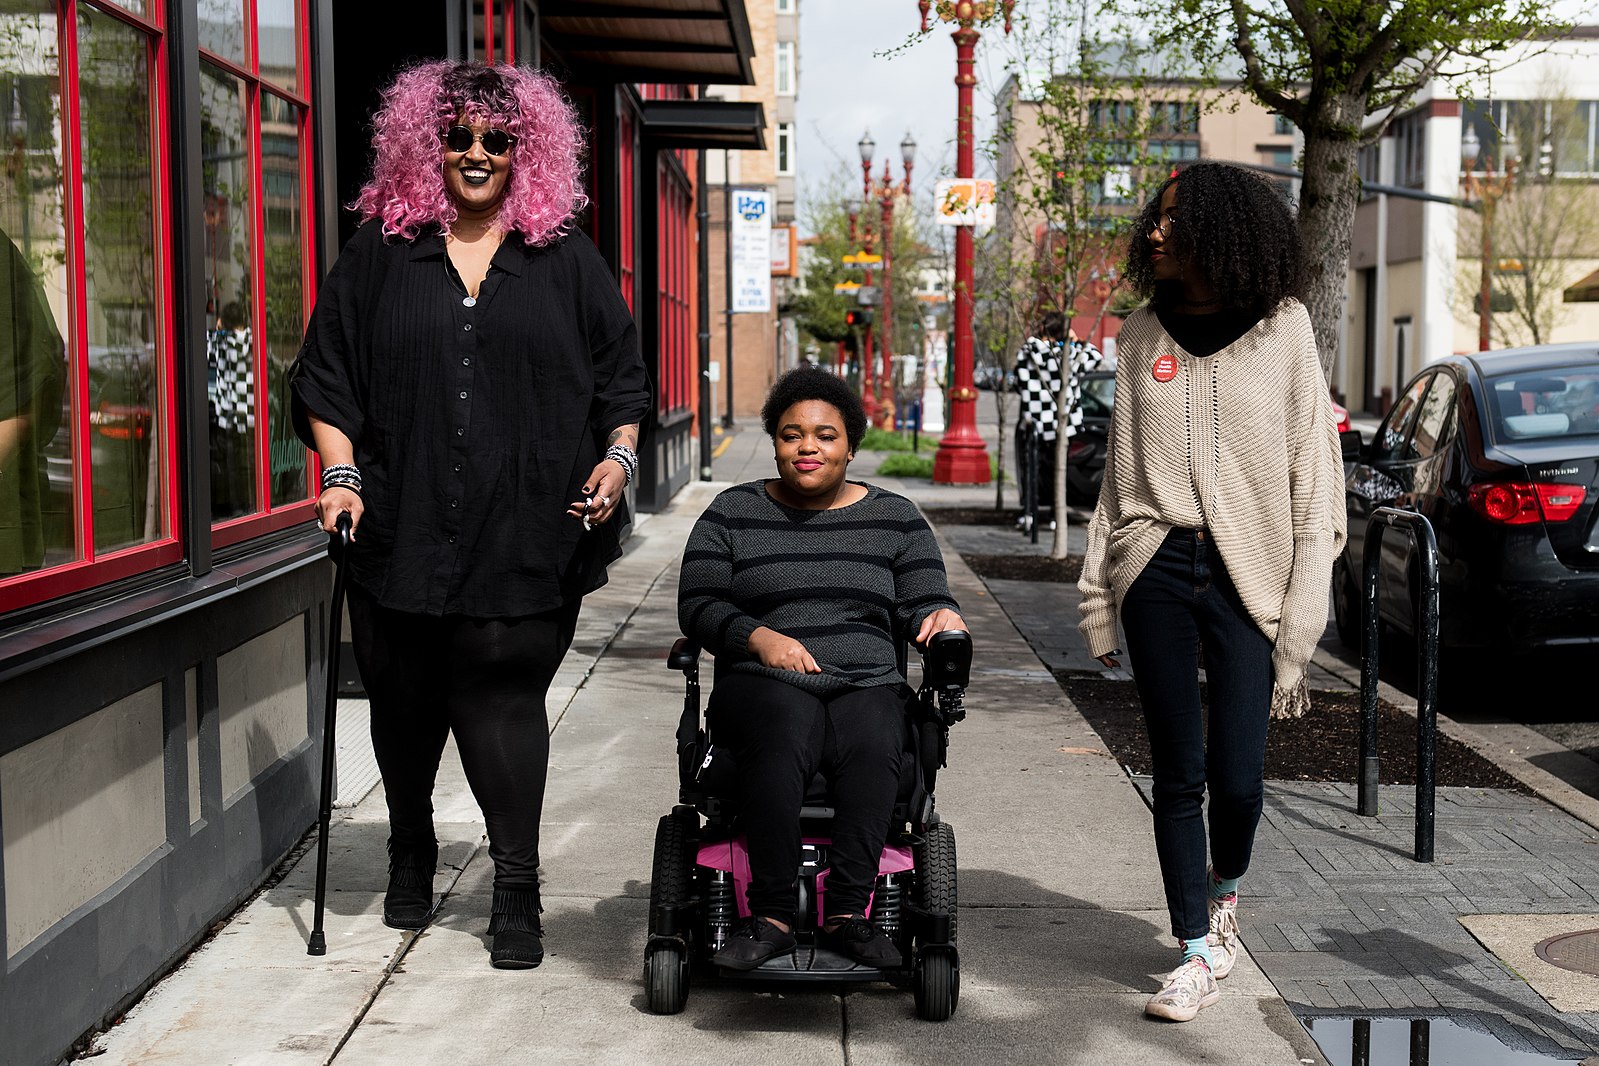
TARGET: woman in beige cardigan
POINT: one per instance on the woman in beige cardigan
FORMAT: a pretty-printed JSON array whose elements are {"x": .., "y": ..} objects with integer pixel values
[{"x": 1220, "y": 515}]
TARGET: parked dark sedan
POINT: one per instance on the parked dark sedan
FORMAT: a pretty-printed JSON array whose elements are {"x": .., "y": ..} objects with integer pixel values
[
  {"x": 1500, "y": 451},
  {"x": 1085, "y": 457}
]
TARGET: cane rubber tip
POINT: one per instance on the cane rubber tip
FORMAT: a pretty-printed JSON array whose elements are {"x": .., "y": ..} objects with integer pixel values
[{"x": 318, "y": 944}]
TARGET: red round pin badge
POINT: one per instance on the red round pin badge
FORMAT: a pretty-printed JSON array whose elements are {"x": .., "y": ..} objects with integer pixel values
[{"x": 1165, "y": 367}]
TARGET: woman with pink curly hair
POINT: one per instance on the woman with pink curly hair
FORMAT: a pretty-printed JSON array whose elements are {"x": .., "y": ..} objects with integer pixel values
[{"x": 471, "y": 379}]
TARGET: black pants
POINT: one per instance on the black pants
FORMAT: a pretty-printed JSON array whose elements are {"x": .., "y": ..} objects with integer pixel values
[
  {"x": 782, "y": 736},
  {"x": 1182, "y": 597},
  {"x": 486, "y": 680}
]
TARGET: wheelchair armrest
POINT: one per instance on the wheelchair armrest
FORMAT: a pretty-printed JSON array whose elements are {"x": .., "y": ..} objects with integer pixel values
[
  {"x": 947, "y": 660},
  {"x": 685, "y": 654}
]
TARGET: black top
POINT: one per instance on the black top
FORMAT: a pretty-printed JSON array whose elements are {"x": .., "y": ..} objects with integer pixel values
[
  {"x": 842, "y": 582},
  {"x": 1202, "y": 335},
  {"x": 475, "y": 423}
]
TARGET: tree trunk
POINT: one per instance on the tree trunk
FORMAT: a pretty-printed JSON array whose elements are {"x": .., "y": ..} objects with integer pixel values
[
  {"x": 1057, "y": 547},
  {"x": 1328, "y": 196}
]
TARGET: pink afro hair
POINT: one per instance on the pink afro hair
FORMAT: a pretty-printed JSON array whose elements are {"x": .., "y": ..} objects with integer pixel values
[{"x": 406, "y": 189}]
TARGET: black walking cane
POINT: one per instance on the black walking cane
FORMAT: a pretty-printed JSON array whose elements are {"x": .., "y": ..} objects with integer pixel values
[{"x": 338, "y": 546}]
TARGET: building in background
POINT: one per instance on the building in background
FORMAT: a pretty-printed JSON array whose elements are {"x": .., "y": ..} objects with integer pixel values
[
  {"x": 1415, "y": 265},
  {"x": 764, "y": 343},
  {"x": 171, "y": 194}
]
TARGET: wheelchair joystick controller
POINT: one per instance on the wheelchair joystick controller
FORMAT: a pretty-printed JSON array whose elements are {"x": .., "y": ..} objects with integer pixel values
[{"x": 947, "y": 669}]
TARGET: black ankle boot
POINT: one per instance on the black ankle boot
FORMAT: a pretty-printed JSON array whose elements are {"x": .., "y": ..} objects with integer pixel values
[
  {"x": 514, "y": 925},
  {"x": 408, "y": 904}
]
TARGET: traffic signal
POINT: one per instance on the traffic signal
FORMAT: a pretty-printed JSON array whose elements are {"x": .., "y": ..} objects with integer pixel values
[{"x": 860, "y": 316}]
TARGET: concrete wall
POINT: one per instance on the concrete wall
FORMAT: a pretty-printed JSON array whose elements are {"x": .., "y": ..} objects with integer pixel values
[{"x": 155, "y": 764}]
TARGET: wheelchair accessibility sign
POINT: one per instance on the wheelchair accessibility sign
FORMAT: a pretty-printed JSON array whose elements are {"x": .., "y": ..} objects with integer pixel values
[{"x": 752, "y": 250}]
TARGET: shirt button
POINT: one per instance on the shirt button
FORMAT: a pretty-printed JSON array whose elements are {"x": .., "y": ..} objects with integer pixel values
[
  {"x": 460, "y": 431},
  {"x": 467, "y": 327},
  {"x": 466, "y": 361},
  {"x": 457, "y": 468},
  {"x": 463, "y": 394},
  {"x": 468, "y": 302},
  {"x": 452, "y": 539},
  {"x": 454, "y": 504}
]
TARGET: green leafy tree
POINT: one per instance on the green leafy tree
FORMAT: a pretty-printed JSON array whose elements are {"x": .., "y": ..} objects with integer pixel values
[{"x": 1341, "y": 70}]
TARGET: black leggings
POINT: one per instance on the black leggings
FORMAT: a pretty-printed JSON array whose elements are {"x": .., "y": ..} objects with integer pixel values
[
  {"x": 781, "y": 737},
  {"x": 486, "y": 680}
]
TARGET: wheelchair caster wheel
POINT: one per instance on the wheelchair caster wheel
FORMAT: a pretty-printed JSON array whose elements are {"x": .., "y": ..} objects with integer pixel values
[
  {"x": 666, "y": 978},
  {"x": 937, "y": 980}
]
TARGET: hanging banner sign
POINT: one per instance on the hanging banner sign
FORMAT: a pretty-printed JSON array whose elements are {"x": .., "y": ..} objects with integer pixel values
[
  {"x": 752, "y": 250},
  {"x": 964, "y": 202}
]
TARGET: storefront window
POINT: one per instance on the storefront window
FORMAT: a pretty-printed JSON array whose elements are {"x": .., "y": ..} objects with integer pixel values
[
  {"x": 37, "y": 527},
  {"x": 222, "y": 28},
  {"x": 126, "y": 444},
  {"x": 278, "y": 40},
  {"x": 225, "y": 168},
  {"x": 285, "y": 291}
]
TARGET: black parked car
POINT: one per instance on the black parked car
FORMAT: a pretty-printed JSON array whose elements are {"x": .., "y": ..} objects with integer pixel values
[
  {"x": 1085, "y": 461},
  {"x": 1500, "y": 451}
]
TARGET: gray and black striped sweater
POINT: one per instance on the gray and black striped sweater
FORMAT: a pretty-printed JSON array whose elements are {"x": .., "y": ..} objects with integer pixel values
[{"x": 840, "y": 582}]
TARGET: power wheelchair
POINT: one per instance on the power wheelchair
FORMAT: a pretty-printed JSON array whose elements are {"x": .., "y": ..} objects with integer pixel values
[{"x": 701, "y": 870}]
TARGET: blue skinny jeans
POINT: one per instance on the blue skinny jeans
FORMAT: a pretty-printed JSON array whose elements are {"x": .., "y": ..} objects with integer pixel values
[{"x": 1182, "y": 598}]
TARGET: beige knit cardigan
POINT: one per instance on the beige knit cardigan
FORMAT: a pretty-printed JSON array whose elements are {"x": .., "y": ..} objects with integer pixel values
[{"x": 1242, "y": 443}]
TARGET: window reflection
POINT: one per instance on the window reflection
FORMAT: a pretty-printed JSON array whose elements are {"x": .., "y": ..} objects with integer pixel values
[
  {"x": 120, "y": 283},
  {"x": 222, "y": 28},
  {"x": 285, "y": 291},
  {"x": 230, "y": 377},
  {"x": 278, "y": 37},
  {"x": 36, "y": 473}
]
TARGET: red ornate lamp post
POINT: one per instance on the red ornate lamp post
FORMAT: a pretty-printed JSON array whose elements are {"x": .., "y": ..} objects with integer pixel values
[
  {"x": 962, "y": 458},
  {"x": 1489, "y": 188},
  {"x": 885, "y": 190},
  {"x": 868, "y": 383}
]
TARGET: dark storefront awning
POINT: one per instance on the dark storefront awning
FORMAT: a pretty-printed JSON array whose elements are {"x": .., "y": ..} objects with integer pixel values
[
  {"x": 705, "y": 124},
  {"x": 1584, "y": 291},
  {"x": 682, "y": 42}
]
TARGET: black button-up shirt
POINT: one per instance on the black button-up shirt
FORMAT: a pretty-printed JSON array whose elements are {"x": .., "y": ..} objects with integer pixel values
[{"x": 475, "y": 421}]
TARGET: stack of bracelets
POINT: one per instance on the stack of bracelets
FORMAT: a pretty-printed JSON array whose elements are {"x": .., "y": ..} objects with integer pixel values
[
  {"x": 341, "y": 476},
  {"x": 624, "y": 457}
]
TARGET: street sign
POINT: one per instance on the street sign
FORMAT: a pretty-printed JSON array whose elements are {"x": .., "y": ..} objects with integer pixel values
[
  {"x": 844, "y": 287},
  {"x": 964, "y": 202},
  {"x": 861, "y": 259},
  {"x": 752, "y": 250}
]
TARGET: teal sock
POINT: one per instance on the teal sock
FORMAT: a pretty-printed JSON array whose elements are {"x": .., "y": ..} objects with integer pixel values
[
  {"x": 1222, "y": 886},
  {"x": 1197, "y": 947}
]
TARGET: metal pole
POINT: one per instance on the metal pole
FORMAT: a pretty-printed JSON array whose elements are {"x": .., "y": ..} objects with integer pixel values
[
  {"x": 1032, "y": 481},
  {"x": 703, "y": 219},
  {"x": 727, "y": 206},
  {"x": 1360, "y": 1043},
  {"x": 1369, "y": 558},
  {"x": 1420, "y": 1042},
  {"x": 962, "y": 458},
  {"x": 885, "y": 377},
  {"x": 1485, "y": 296},
  {"x": 1427, "y": 702}
]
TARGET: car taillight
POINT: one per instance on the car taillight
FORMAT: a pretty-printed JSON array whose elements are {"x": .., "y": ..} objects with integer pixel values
[
  {"x": 1519, "y": 503},
  {"x": 1076, "y": 448}
]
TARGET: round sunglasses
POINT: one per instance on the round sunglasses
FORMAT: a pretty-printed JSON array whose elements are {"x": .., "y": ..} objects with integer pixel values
[{"x": 495, "y": 142}]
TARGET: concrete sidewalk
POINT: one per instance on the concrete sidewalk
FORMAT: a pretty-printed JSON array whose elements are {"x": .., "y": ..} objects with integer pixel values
[{"x": 1063, "y": 925}]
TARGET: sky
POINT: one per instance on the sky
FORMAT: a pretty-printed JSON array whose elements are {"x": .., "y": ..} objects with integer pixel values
[{"x": 850, "y": 83}]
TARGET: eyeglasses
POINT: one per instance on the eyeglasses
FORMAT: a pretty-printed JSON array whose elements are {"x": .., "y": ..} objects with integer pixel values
[
  {"x": 495, "y": 142},
  {"x": 1162, "y": 224}
]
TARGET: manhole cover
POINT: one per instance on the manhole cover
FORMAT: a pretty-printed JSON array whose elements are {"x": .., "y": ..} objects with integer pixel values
[{"x": 1572, "y": 951}]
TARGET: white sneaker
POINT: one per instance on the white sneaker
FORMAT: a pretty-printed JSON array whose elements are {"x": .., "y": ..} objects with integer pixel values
[
  {"x": 1187, "y": 990},
  {"x": 1223, "y": 936}
]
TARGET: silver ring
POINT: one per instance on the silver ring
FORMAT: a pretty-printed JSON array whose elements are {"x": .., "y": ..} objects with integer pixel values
[{"x": 605, "y": 501}]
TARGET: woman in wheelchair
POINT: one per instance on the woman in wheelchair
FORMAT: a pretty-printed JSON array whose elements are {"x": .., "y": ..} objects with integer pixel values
[{"x": 802, "y": 586}]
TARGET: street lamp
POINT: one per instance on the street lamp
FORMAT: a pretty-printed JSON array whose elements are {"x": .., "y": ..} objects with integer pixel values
[
  {"x": 1488, "y": 188},
  {"x": 885, "y": 190},
  {"x": 867, "y": 147},
  {"x": 962, "y": 458}
]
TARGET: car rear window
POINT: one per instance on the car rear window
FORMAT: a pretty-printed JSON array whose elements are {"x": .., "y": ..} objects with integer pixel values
[{"x": 1542, "y": 404}]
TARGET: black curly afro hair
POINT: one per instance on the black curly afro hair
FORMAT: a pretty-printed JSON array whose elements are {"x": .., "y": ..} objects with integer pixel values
[
  {"x": 1232, "y": 225},
  {"x": 812, "y": 383}
]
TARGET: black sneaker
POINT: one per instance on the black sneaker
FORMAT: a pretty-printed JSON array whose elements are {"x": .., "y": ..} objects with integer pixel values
[
  {"x": 752, "y": 943},
  {"x": 864, "y": 942}
]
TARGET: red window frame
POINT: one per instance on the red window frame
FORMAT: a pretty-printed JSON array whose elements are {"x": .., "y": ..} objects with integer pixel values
[
  {"x": 675, "y": 211},
  {"x": 627, "y": 220},
  {"x": 92, "y": 567},
  {"x": 267, "y": 518}
]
